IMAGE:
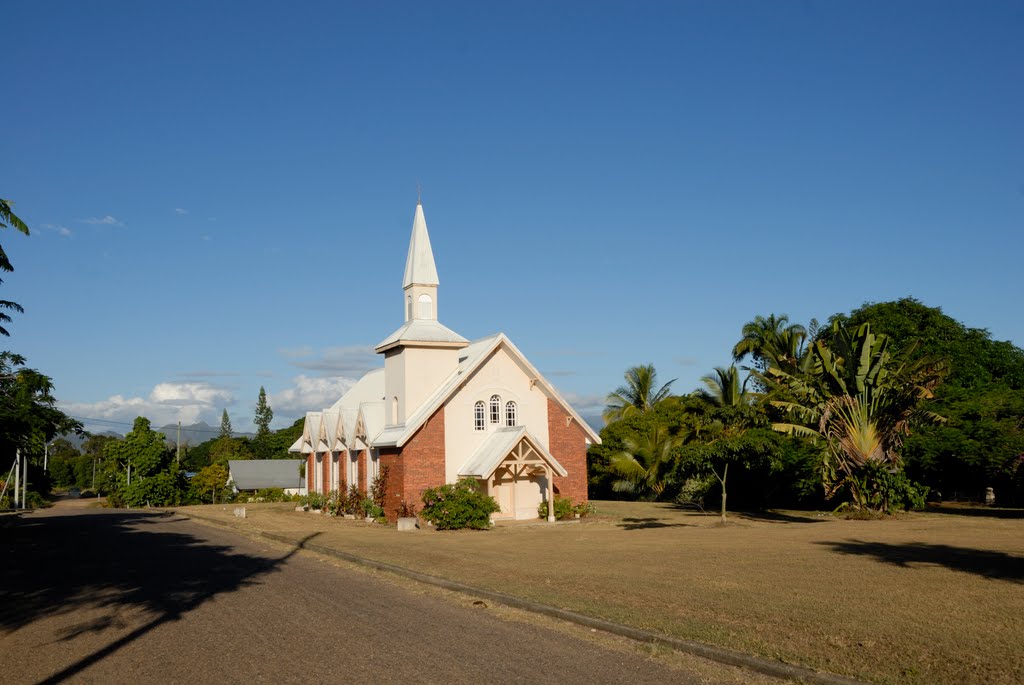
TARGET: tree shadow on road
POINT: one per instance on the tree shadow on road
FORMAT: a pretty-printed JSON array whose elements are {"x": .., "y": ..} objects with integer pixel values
[
  {"x": 115, "y": 562},
  {"x": 987, "y": 563}
]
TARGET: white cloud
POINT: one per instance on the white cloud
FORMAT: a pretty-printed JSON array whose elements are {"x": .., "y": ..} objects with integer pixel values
[
  {"x": 187, "y": 402},
  {"x": 180, "y": 212},
  {"x": 308, "y": 394},
  {"x": 102, "y": 221},
  {"x": 62, "y": 231}
]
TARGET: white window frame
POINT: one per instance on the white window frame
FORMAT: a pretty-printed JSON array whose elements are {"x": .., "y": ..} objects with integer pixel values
[
  {"x": 479, "y": 416},
  {"x": 511, "y": 414},
  {"x": 495, "y": 408}
]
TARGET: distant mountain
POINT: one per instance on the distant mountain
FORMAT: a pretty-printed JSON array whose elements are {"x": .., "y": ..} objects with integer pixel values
[
  {"x": 79, "y": 440},
  {"x": 196, "y": 433}
]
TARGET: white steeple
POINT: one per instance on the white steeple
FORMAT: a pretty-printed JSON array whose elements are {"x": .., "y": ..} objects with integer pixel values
[
  {"x": 420, "y": 282},
  {"x": 419, "y": 265},
  {"x": 422, "y": 352}
]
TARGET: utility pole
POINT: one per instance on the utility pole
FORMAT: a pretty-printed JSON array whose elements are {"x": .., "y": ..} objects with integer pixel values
[
  {"x": 178, "y": 457},
  {"x": 17, "y": 477},
  {"x": 46, "y": 455},
  {"x": 24, "y": 486}
]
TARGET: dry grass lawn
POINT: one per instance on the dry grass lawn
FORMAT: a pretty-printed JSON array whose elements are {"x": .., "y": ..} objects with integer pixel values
[{"x": 929, "y": 598}]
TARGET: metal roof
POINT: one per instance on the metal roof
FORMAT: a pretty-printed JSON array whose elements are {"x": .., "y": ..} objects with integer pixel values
[{"x": 256, "y": 474}]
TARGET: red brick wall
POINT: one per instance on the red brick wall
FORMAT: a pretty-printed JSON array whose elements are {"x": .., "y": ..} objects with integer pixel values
[
  {"x": 362, "y": 470},
  {"x": 389, "y": 457},
  {"x": 418, "y": 465},
  {"x": 325, "y": 467},
  {"x": 567, "y": 444},
  {"x": 424, "y": 459}
]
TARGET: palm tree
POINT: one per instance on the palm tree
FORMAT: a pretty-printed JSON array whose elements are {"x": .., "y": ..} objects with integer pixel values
[
  {"x": 861, "y": 401},
  {"x": 8, "y": 217},
  {"x": 640, "y": 394},
  {"x": 643, "y": 465},
  {"x": 724, "y": 388},
  {"x": 770, "y": 341}
]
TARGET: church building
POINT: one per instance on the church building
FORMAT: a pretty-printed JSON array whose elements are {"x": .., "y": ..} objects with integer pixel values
[{"x": 445, "y": 408}]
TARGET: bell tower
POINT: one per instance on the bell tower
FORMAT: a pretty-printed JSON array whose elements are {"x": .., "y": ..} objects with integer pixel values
[{"x": 422, "y": 353}]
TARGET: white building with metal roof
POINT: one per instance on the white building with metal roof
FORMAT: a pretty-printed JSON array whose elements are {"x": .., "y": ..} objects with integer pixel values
[{"x": 445, "y": 408}]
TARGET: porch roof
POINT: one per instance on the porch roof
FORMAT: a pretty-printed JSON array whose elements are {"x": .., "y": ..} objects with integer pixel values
[{"x": 492, "y": 453}]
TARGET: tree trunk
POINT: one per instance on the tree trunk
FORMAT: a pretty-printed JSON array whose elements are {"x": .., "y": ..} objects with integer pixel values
[{"x": 725, "y": 474}]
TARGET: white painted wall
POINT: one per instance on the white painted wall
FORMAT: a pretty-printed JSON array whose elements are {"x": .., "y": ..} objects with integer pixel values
[
  {"x": 499, "y": 375},
  {"x": 412, "y": 374}
]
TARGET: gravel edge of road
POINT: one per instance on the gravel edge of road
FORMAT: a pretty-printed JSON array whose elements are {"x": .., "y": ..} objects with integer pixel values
[{"x": 721, "y": 655}]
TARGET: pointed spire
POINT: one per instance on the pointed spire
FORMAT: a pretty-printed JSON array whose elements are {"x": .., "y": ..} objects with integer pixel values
[{"x": 419, "y": 265}]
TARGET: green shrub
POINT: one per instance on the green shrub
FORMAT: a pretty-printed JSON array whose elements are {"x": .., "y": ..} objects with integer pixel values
[
  {"x": 889, "y": 491},
  {"x": 371, "y": 509},
  {"x": 458, "y": 505},
  {"x": 315, "y": 500},
  {"x": 563, "y": 508}
]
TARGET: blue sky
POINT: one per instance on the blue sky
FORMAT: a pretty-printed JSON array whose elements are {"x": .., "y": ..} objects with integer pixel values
[{"x": 221, "y": 194}]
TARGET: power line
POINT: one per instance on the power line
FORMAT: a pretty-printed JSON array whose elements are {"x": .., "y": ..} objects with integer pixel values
[{"x": 132, "y": 423}]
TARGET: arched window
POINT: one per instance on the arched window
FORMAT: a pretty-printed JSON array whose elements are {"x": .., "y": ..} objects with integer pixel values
[
  {"x": 394, "y": 410},
  {"x": 426, "y": 307},
  {"x": 408, "y": 307},
  {"x": 478, "y": 416},
  {"x": 510, "y": 413},
  {"x": 495, "y": 408}
]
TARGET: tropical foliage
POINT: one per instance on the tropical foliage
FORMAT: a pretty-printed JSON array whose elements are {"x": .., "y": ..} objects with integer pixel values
[
  {"x": 861, "y": 401},
  {"x": 8, "y": 219},
  {"x": 639, "y": 395},
  {"x": 856, "y": 412}
]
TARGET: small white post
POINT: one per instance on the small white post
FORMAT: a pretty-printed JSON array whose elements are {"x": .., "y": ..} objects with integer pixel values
[
  {"x": 17, "y": 478},
  {"x": 24, "y": 486}
]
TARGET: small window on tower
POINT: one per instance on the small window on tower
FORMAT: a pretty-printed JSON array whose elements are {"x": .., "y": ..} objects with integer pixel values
[
  {"x": 478, "y": 416},
  {"x": 426, "y": 307},
  {"x": 510, "y": 413},
  {"x": 408, "y": 307},
  {"x": 495, "y": 408}
]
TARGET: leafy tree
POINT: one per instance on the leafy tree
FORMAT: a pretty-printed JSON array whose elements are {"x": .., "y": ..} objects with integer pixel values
[
  {"x": 264, "y": 415},
  {"x": 731, "y": 442},
  {"x": 640, "y": 394},
  {"x": 225, "y": 425},
  {"x": 643, "y": 466},
  {"x": 977, "y": 446},
  {"x": 280, "y": 440},
  {"x": 29, "y": 417},
  {"x": 8, "y": 218},
  {"x": 724, "y": 388},
  {"x": 669, "y": 415},
  {"x": 140, "y": 469},
  {"x": 771, "y": 341},
  {"x": 224, "y": 450},
  {"x": 975, "y": 359},
  {"x": 861, "y": 401},
  {"x": 210, "y": 483}
]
